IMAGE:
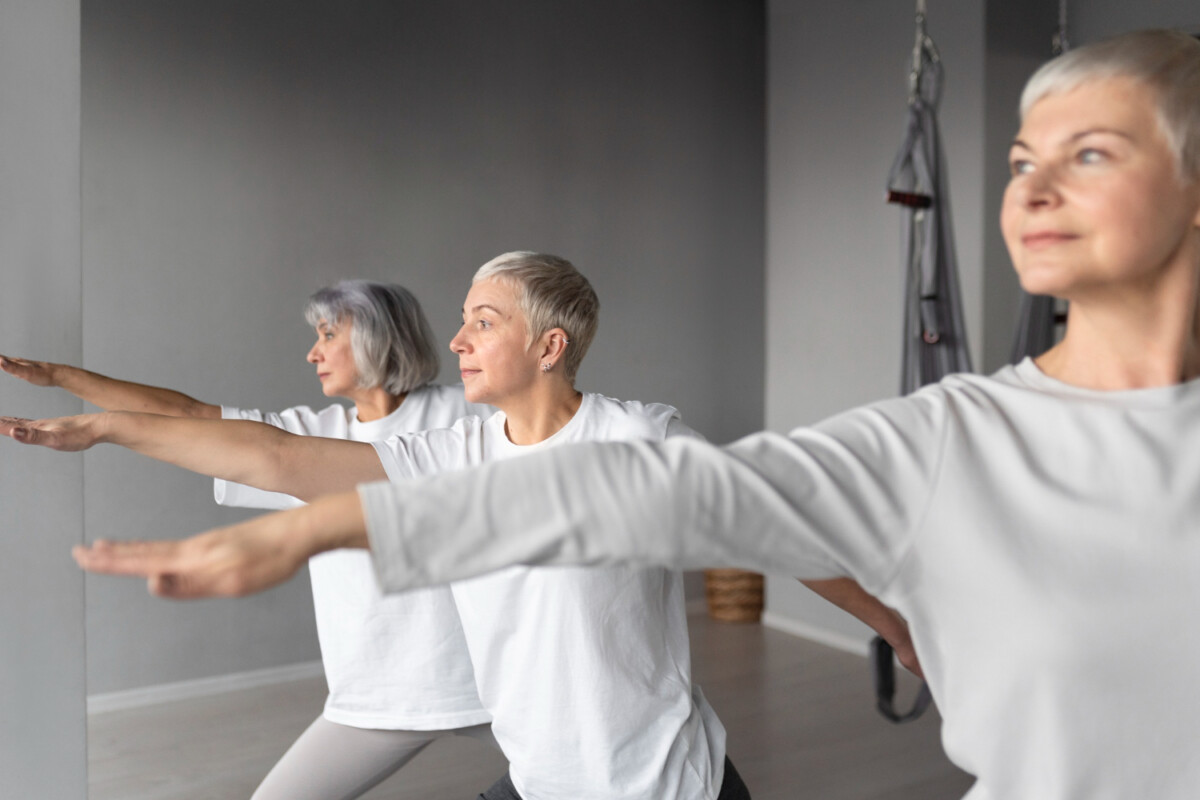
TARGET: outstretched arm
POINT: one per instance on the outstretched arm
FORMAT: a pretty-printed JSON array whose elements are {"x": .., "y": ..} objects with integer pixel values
[
  {"x": 246, "y": 452},
  {"x": 805, "y": 505},
  {"x": 237, "y": 560},
  {"x": 108, "y": 393}
]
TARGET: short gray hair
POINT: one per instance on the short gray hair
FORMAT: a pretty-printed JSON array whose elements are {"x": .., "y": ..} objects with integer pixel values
[
  {"x": 1167, "y": 62},
  {"x": 551, "y": 293},
  {"x": 389, "y": 334}
]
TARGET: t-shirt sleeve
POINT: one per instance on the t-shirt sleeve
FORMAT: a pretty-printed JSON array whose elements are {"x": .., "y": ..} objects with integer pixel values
[
  {"x": 301, "y": 421},
  {"x": 413, "y": 455},
  {"x": 841, "y": 499}
]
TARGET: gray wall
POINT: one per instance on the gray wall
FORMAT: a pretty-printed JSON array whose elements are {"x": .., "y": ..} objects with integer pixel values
[
  {"x": 42, "y": 739},
  {"x": 238, "y": 155},
  {"x": 1096, "y": 19}
]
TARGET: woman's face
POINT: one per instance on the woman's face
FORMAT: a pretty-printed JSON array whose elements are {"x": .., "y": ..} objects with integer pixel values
[
  {"x": 334, "y": 359},
  {"x": 1095, "y": 202},
  {"x": 493, "y": 359}
]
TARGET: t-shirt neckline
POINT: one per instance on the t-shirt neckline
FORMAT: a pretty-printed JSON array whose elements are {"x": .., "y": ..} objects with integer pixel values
[
  {"x": 1030, "y": 374},
  {"x": 360, "y": 427},
  {"x": 500, "y": 419}
]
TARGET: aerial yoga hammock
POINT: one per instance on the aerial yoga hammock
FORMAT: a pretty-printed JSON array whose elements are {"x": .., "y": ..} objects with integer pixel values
[{"x": 935, "y": 341}]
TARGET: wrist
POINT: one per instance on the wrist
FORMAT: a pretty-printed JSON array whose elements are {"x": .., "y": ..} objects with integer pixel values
[
  {"x": 57, "y": 375},
  {"x": 334, "y": 522},
  {"x": 102, "y": 428}
]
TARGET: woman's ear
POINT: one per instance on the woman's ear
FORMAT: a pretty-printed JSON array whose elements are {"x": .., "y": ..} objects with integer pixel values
[{"x": 554, "y": 343}]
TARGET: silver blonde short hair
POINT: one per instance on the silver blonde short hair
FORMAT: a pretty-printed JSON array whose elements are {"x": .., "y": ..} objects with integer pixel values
[
  {"x": 551, "y": 293},
  {"x": 389, "y": 334},
  {"x": 1166, "y": 62}
]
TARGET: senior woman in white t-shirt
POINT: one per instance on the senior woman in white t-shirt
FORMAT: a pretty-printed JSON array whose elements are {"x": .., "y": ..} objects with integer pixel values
[
  {"x": 1039, "y": 528},
  {"x": 397, "y": 667}
]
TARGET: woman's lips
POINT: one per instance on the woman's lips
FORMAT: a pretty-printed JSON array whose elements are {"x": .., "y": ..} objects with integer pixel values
[{"x": 1042, "y": 239}]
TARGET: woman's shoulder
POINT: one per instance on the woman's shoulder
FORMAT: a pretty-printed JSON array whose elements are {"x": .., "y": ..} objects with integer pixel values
[{"x": 608, "y": 417}]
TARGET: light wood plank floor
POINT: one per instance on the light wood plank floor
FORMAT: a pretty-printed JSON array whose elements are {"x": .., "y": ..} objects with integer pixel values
[{"x": 800, "y": 717}]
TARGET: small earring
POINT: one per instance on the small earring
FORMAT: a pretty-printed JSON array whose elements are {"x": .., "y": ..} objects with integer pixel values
[{"x": 546, "y": 366}]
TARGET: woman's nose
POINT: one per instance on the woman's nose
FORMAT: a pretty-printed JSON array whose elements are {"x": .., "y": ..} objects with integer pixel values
[
  {"x": 458, "y": 344},
  {"x": 313, "y": 356},
  {"x": 1040, "y": 188}
]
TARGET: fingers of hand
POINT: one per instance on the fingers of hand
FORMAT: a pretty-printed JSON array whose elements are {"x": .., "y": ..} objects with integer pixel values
[
  {"x": 222, "y": 563},
  {"x": 127, "y": 558},
  {"x": 163, "y": 565},
  {"x": 35, "y": 372},
  {"x": 16, "y": 427},
  {"x": 200, "y": 567},
  {"x": 17, "y": 367},
  {"x": 62, "y": 433}
]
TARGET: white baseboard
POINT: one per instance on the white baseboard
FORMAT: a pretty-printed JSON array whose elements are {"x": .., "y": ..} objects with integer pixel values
[
  {"x": 820, "y": 635},
  {"x": 203, "y": 687}
]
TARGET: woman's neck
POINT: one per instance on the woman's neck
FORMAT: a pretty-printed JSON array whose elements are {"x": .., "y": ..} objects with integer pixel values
[
  {"x": 1134, "y": 342},
  {"x": 376, "y": 403},
  {"x": 543, "y": 413}
]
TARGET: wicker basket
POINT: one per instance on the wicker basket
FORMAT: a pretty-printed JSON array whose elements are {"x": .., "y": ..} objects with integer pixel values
[{"x": 734, "y": 595}]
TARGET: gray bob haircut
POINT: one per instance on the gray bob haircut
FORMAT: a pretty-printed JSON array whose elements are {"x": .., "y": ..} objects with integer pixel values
[
  {"x": 389, "y": 335},
  {"x": 1166, "y": 62},
  {"x": 551, "y": 293}
]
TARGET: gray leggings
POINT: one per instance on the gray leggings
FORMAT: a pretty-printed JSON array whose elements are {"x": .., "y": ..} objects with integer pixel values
[{"x": 337, "y": 762}]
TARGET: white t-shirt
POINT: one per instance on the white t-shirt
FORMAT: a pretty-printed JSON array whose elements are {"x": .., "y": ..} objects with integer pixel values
[
  {"x": 586, "y": 672},
  {"x": 397, "y": 662},
  {"x": 1043, "y": 540}
]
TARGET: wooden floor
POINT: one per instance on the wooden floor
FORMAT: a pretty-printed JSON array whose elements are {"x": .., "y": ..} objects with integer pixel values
[{"x": 800, "y": 717}]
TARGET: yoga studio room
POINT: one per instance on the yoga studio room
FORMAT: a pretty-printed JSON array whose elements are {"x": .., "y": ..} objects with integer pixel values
[{"x": 599, "y": 400}]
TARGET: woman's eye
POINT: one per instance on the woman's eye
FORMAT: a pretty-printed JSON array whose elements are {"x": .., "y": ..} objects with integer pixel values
[
  {"x": 328, "y": 335},
  {"x": 484, "y": 324},
  {"x": 1089, "y": 155},
  {"x": 1020, "y": 166}
]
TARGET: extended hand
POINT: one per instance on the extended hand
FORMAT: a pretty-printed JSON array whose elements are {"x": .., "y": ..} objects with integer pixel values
[
  {"x": 39, "y": 373},
  {"x": 240, "y": 559},
  {"x": 227, "y": 562},
  {"x": 63, "y": 433}
]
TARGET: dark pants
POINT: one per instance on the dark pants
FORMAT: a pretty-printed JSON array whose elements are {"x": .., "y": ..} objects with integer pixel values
[{"x": 732, "y": 787}]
